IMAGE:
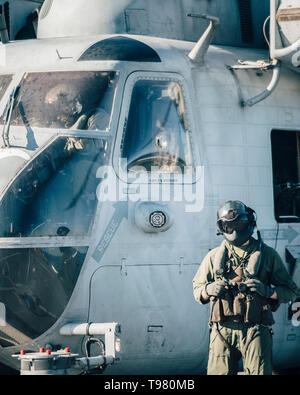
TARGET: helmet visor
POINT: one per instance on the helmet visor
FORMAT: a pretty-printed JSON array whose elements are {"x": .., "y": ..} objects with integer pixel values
[{"x": 229, "y": 227}]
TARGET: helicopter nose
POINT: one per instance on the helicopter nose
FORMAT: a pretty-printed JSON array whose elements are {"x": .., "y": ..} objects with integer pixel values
[{"x": 47, "y": 205}]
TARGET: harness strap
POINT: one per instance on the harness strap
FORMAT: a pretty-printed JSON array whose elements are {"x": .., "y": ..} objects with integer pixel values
[
  {"x": 250, "y": 337},
  {"x": 253, "y": 265},
  {"x": 213, "y": 301},
  {"x": 252, "y": 261},
  {"x": 223, "y": 340},
  {"x": 219, "y": 260}
]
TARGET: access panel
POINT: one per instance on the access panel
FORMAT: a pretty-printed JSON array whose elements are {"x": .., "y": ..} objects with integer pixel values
[{"x": 163, "y": 329}]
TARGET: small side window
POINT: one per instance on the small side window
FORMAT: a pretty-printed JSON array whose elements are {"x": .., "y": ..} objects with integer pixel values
[
  {"x": 156, "y": 137},
  {"x": 286, "y": 175}
]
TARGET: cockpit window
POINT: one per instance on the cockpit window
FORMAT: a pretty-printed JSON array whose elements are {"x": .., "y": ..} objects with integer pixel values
[
  {"x": 5, "y": 80},
  {"x": 65, "y": 100},
  {"x": 156, "y": 137},
  {"x": 35, "y": 287},
  {"x": 56, "y": 190}
]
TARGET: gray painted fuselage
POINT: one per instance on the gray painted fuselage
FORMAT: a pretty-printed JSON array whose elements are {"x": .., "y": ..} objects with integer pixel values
[{"x": 142, "y": 279}]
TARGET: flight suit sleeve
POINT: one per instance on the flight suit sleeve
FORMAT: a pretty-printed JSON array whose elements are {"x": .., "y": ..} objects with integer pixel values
[
  {"x": 203, "y": 276},
  {"x": 286, "y": 289},
  {"x": 80, "y": 123}
]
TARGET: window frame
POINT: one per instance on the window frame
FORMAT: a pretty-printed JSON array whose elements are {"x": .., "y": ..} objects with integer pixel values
[
  {"x": 66, "y": 241},
  {"x": 169, "y": 178},
  {"x": 289, "y": 218},
  {"x": 116, "y": 102},
  {"x": 56, "y": 241}
]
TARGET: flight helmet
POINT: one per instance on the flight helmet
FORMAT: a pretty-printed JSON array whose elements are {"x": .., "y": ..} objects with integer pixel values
[
  {"x": 236, "y": 222},
  {"x": 64, "y": 104}
]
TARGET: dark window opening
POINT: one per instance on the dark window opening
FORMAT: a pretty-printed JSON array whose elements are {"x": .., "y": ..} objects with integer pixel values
[
  {"x": 6, "y": 11},
  {"x": 246, "y": 21},
  {"x": 286, "y": 175},
  {"x": 7, "y": 16},
  {"x": 28, "y": 31}
]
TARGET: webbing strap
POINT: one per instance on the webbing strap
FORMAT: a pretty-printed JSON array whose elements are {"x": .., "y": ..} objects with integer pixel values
[
  {"x": 219, "y": 260},
  {"x": 251, "y": 263},
  {"x": 224, "y": 341}
]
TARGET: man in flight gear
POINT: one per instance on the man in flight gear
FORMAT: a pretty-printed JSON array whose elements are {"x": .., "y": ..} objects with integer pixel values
[
  {"x": 245, "y": 281},
  {"x": 67, "y": 109}
]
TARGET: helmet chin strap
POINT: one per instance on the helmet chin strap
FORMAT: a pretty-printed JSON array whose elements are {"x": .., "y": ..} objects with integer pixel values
[{"x": 259, "y": 238}]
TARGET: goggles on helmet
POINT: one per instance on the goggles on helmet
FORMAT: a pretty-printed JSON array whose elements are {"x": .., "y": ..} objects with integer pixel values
[
  {"x": 235, "y": 225},
  {"x": 233, "y": 216}
]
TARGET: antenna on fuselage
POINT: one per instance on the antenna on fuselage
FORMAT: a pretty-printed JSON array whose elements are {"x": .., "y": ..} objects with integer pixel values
[{"x": 198, "y": 52}]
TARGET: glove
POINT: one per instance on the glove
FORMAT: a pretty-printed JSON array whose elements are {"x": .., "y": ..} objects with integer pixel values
[
  {"x": 217, "y": 288},
  {"x": 262, "y": 289}
]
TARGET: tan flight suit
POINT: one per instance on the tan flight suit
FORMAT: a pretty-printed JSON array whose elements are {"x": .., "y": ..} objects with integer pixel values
[
  {"x": 99, "y": 120},
  {"x": 232, "y": 337}
]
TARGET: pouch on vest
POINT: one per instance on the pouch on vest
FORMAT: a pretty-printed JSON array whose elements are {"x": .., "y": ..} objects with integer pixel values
[
  {"x": 239, "y": 305},
  {"x": 227, "y": 304},
  {"x": 253, "y": 309},
  {"x": 222, "y": 308},
  {"x": 258, "y": 310},
  {"x": 216, "y": 310},
  {"x": 267, "y": 316}
]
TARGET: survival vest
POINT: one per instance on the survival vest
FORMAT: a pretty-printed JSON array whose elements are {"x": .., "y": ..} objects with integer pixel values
[{"x": 238, "y": 304}]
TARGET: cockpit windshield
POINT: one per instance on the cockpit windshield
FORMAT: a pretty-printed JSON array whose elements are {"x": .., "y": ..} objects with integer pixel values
[{"x": 65, "y": 100}]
